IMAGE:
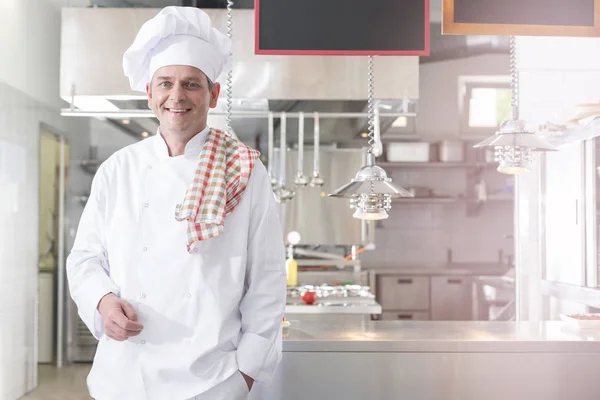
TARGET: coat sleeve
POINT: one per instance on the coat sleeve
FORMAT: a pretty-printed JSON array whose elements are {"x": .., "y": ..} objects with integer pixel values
[
  {"x": 263, "y": 305},
  {"x": 88, "y": 270}
]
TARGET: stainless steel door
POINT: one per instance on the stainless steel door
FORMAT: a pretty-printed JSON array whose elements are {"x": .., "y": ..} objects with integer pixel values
[
  {"x": 451, "y": 298},
  {"x": 409, "y": 293}
]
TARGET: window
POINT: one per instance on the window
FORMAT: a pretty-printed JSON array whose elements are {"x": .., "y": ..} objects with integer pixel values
[
  {"x": 485, "y": 105},
  {"x": 488, "y": 107}
]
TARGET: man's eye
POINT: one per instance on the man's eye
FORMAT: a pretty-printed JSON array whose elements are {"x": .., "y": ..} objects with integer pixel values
[
  {"x": 164, "y": 84},
  {"x": 193, "y": 85}
]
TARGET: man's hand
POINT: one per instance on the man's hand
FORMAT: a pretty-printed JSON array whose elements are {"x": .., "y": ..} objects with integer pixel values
[
  {"x": 118, "y": 318},
  {"x": 249, "y": 381}
]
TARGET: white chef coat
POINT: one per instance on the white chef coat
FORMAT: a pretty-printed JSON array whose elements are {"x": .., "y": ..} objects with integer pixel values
[{"x": 205, "y": 314}]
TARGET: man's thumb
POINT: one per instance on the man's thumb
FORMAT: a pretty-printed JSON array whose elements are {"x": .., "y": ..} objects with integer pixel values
[{"x": 129, "y": 311}]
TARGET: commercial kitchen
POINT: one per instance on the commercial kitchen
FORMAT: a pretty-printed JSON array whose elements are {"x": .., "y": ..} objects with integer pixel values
[{"x": 438, "y": 192}]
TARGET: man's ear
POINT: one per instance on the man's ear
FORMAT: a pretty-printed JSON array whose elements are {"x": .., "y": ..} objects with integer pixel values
[{"x": 214, "y": 94}]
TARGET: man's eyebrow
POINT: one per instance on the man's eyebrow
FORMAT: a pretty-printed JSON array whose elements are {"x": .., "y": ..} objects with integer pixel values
[{"x": 187, "y": 78}]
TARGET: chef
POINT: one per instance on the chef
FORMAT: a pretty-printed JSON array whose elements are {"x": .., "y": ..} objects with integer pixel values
[{"x": 178, "y": 263}]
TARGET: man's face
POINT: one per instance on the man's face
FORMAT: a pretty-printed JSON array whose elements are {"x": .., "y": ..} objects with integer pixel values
[{"x": 180, "y": 97}]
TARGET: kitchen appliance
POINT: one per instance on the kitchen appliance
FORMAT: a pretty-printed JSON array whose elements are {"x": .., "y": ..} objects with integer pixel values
[
  {"x": 339, "y": 303},
  {"x": 451, "y": 151},
  {"x": 408, "y": 152}
]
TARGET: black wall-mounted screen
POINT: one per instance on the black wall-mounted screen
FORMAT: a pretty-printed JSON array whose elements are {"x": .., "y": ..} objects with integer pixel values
[
  {"x": 525, "y": 12},
  {"x": 521, "y": 17},
  {"x": 342, "y": 27}
]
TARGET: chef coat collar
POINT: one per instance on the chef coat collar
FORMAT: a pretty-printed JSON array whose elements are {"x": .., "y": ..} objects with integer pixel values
[{"x": 193, "y": 146}]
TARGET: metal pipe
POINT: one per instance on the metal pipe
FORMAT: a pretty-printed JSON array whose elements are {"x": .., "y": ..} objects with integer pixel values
[
  {"x": 66, "y": 112},
  {"x": 270, "y": 131},
  {"x": 61, "y": 257},
  {"x": 317, "y": 254},
  {"x": 316, "y": 144},
  {"x": 282, "y": 149}
]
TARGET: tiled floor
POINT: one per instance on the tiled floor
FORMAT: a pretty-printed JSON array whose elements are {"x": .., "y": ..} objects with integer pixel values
[{"x": 67, "y": 383}]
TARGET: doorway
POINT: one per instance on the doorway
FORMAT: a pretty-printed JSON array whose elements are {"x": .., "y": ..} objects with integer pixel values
[{"x": 53, "y": 166}]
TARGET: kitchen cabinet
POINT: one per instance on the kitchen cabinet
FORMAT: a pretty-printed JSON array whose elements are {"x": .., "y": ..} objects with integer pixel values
[
  {"x": 425, "y": 297},
  {"x": 404, "y": 292},
  {"x": 405, "y": 316},
  {"x": 451, "y": 298}
]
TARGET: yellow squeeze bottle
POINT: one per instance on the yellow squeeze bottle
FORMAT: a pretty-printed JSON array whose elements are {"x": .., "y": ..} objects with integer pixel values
[{"x": 291, "y": 266}]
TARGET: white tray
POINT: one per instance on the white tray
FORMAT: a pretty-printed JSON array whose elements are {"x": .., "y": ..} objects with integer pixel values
[{"x": 573, "y": 322}]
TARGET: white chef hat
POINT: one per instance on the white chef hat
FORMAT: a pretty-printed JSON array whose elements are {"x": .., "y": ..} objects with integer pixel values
[{"x": 177, "y": 36}]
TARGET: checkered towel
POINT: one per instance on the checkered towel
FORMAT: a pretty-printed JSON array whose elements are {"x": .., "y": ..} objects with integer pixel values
[{"x": 224, "y": 168}]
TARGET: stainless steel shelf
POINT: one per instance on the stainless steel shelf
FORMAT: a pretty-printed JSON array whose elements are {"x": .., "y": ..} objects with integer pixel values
[
  {"x": 90, "y": 166},
  {"x": 326, "y": 262},
  {"x": 426, "y": 200},
  {"x": 388, "y": 164},
  {"x": 445, "y": 200}
]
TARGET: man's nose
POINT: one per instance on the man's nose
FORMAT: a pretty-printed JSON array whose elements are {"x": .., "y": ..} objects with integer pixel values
[{"x": 177, "y": 93}]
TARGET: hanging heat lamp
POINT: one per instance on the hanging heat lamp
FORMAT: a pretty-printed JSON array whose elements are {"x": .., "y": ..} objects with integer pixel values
[
  {"x": 514, "y": 145},
  {"x": 371, "y": 191}
]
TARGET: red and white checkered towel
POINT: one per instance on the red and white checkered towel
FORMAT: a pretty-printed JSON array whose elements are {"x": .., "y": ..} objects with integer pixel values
[{"x": 224, "y": 168}]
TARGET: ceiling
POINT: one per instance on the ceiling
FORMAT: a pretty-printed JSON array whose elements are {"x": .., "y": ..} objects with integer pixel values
[{"x": 435, "y": 6}]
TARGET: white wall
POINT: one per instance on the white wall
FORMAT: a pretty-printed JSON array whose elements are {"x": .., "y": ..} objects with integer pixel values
[
  {"x": 555, "y": 75},
  {"x": 31, "y": 42},
  {"x": 422, "y": 234},
  {"x": 439, "y": 90},
  {"x": 28, "y": 97}
]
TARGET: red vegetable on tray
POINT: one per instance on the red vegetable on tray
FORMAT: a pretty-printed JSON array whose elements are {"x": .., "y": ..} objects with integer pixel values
[{"x": 309, "y": 297}]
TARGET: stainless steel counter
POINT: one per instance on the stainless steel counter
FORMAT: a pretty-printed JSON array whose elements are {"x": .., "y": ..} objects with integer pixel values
[
  {"x": 436, "y": 361},
  {"x": 442, "y": 269},
  {"x": 366, "y": 309},
  {"x": 438, "y": 336}
]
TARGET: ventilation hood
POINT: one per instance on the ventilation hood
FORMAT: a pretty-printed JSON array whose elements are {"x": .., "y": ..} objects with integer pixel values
[
  {"x": 91, "y": 76},
  {"x": 94, "y": 40}
]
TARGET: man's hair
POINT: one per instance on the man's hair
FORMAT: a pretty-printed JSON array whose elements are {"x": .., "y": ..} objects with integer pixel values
[{"x": 210, "y": 83}]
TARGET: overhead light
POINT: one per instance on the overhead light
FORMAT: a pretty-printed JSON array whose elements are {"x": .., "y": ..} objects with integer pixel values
[
  {"x": 125, "y": 122},
  {"x": 371, "y": 191},
  {"x": 400, "y": 122},
  {"x": 91, "y": 103},
  {"x": 364, "y": 135},
  {"x": 514, "y": 145},
  {"x": 145, "y": 134}
]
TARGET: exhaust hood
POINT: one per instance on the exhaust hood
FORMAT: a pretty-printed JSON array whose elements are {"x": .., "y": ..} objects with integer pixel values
[{"x": 94, "y": 40}]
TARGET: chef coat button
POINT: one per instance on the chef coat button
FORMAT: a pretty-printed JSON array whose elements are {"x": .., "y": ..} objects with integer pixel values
[
  {"x": 146, "y": 205},
  {"x": 145, "y": 249},
  {"x": 143, "y": 295},
  {"x": 143, "y": 342},
  {"x": 195, "y": 250},
  {"x": 189, "y": 295},
  {"x": 149, "y": 166}
]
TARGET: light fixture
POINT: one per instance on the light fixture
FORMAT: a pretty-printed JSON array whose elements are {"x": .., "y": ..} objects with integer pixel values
[
  {"x": 371, "y": 191},
  {"x": 125, "y": 122},
  {"x": 514, "y": 145},
  {"x": 364, "y": 135},
  {"x": 145, "y": 134}
]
